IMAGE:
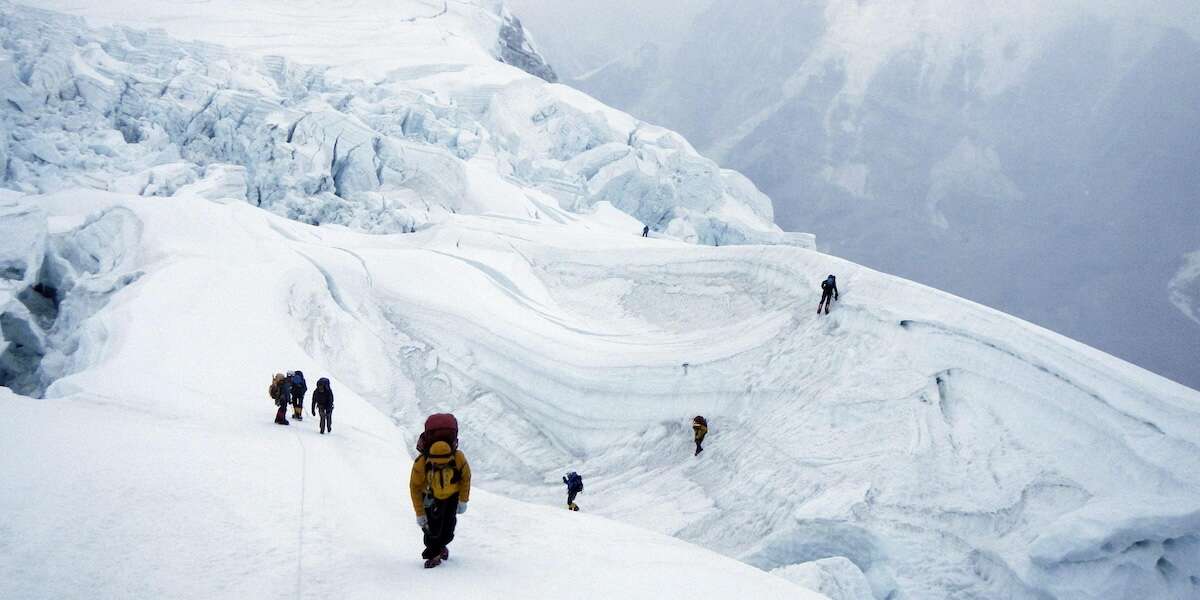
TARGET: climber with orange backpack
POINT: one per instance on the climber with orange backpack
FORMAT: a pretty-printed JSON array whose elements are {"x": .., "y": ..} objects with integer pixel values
[
  {"x": 700, "y": 429},
  {"x": 440, "y": 485},
  {"x": 280, "y": 391}
]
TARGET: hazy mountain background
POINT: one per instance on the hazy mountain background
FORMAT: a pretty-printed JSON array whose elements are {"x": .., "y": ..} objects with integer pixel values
[{"x": 1040, "y": 158}]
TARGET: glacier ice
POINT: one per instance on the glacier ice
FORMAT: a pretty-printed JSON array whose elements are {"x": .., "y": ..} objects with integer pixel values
[
  {"x": 129, "y": 110},
  {"x": 53, "y": 283}
]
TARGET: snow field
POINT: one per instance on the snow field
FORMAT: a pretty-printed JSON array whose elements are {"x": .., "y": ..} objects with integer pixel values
[
  {"x": 933, "y": 443},
  {"x": 155, "y": 470}
]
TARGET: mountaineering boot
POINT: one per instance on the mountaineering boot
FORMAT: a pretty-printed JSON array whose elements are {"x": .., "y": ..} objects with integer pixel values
[
  {"x": 445, "y": 554},
  {"x": 433, "y": 562},
  {"x": 826, "y": 309}
]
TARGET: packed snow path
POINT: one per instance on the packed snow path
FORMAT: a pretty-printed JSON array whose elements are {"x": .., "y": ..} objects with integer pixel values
[{"x": 945, "y": 449}]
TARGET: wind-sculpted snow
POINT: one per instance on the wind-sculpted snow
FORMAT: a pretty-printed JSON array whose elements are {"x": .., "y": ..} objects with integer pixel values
[
  {"x": 129, "y": 110},
  {"x": 155, "y": 440},
  {"x": 940, "y": 448}
]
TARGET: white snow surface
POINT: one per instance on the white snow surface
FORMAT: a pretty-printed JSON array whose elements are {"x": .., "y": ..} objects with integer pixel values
[
  {"x": 835, "y": 577},
  {"x": 155, "y": 470},
  {"x": 944, "y": 449}
]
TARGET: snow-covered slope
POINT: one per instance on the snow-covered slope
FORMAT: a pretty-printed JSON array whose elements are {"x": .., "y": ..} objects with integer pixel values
[
  {"x": 942, "y": 448},
  {"x": 1033, "y": 156},
  {"x": 911, "y": 443},
  {"x": 156, "y": 471},
  {"x": 367, "y": 114}
]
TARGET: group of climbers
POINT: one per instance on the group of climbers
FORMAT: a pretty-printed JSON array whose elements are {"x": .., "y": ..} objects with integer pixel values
[
  {"x": 440, "y": 483},
  {"x": 440, "y": 480},
  {"x": 288, "y": 390}
]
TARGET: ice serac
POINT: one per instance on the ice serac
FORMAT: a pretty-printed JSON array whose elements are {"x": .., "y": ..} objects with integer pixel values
[
  {"x": 53, "y": 283},
  {"x": 392, "y": 145},
  {"x": 517, "y": 49}
]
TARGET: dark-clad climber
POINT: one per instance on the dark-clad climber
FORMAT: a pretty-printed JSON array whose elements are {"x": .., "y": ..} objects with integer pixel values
[
  {"x": 574, "y": 483},
  {"x": 828, "y": 290},
  {"x": 299, "y": 388},
  {"x": 322, "y": 400},
  {"x": 645, "y": 231}
]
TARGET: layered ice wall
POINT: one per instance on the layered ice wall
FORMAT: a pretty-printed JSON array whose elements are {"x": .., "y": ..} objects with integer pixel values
[{"x": 390, "y": 146}]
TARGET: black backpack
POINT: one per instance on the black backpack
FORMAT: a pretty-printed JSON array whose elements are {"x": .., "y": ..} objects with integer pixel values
[{"x": 574, "y": 482}]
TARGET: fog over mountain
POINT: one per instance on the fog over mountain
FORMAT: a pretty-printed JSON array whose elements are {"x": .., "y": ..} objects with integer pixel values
[{"x": 1036, "y": 157}]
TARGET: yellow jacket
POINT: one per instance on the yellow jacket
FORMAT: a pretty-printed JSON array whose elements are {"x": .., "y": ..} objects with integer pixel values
[{"x": 439, "y": 480}]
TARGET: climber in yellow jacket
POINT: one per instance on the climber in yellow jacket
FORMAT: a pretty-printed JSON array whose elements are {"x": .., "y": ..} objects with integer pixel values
[
  {"x": 440, "y": 486},
  {"x": 699, "y": 429}
]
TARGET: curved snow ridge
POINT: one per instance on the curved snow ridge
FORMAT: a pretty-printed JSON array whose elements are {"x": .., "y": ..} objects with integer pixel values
[
  {"x": 927, "y": 440},
  {"x": 968, "y": 430},
  {"x": 303, "y": 302},
  {"x": 138, "y": 111}
]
